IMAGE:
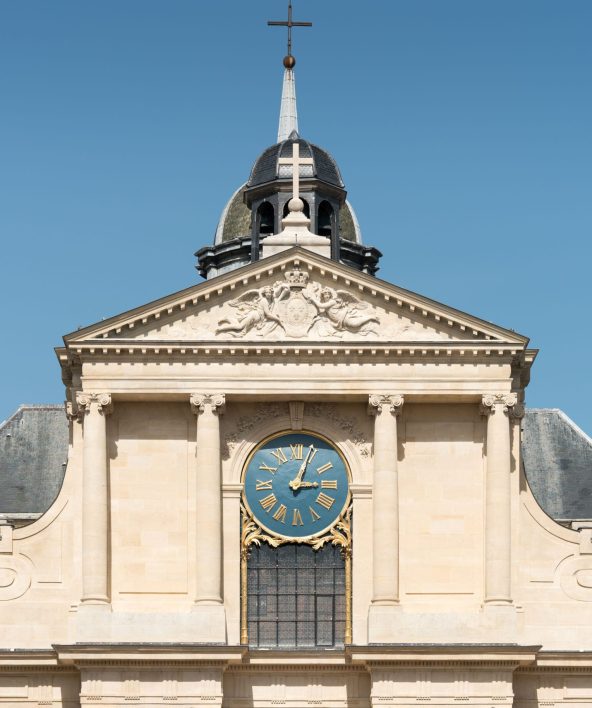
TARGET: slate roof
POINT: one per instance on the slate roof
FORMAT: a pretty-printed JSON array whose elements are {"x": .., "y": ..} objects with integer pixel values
[
  {"x": 557, "y": 459},
  {"x": 33, "y": 455},
  {"x": 266, "y": 168}
]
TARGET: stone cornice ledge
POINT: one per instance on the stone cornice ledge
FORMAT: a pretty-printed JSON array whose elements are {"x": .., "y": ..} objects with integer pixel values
[
  {"x": 513, "y": 655},
  {"x": 565, "y": 659},
  {"x": 218, "y": 654},
  {"x": 417, "y": 350},
  {"x": 27, "y": 657}
]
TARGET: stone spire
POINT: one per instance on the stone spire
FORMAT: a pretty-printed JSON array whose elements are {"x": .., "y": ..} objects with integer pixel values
[{"x": 288, "y": 111}]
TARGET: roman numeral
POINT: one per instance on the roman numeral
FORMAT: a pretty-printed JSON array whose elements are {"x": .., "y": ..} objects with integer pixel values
[
  {"x": 324, "y": 500},
  {"x": 325, "y": 467},
  {"x": 267, "y": 468},
  {"x": 279, "y": 455},
  {"x": 296, "y": 451},
  {"x": 260, "y": 486},
  {"x": 280, "y": 514},
  {"x": 327, "y": 484},
  {"x": 268, "y": 502},
  {"x": 313, "y": 514},
  {"x": 297, "y": 518},
  {"x": 313, "y": 452}
]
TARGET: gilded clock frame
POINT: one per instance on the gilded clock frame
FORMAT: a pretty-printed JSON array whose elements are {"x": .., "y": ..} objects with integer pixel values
[{"x": 338, "y": 533}]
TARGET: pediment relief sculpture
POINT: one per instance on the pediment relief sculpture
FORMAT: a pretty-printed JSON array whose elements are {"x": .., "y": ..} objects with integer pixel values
[
  {"x": 300, "y": 308},
  {"x": 310, "y": 303}
]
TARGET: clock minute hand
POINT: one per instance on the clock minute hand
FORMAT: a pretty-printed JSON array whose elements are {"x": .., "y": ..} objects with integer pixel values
[{"x": 296, "y": 483}]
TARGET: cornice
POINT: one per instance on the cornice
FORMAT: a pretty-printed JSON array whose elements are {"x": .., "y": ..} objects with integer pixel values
[
  {"x": 211, "y": 655},
  {"x": 154, "y": 349},
  {"x": 38, "y": 659},
  {"x": 510, "y": 656}
]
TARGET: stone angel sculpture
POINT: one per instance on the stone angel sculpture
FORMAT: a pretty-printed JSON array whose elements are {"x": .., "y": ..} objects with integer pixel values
[
  {"x": 339, "y": 310},
  {"x": 255, "y": 310}
]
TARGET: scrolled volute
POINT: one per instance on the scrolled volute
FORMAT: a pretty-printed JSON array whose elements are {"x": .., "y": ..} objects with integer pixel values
[
  {"x": 215, "y": 401},
  {"x": 507, "y": 402},
  {"x": 84, "y": 401},
  {"x": 391, "y": 403}
]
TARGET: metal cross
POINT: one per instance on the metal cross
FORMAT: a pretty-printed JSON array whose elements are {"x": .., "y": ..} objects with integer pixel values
[
  {"x": 289, "y": 24},
  {"x": 296, "y": 161}
]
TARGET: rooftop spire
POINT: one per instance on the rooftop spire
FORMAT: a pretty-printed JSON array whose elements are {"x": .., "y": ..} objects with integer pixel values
[{"x": 288, "y": 110}]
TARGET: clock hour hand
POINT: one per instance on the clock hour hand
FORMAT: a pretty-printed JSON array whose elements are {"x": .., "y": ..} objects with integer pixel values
[{"x": 297, "y": 482}]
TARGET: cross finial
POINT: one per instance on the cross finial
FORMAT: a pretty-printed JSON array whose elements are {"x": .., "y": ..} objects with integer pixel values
[
  {"x": 295, "y": 161},
  {"x": 289, "y": 24}
]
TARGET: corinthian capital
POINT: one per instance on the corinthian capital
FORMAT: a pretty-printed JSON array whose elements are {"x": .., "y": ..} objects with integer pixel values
[
  {"x": 377, "y": 403},
  {"x": 215, "y": 401},
  {"x": 101, "y": 400},
  {"x": 491, "y": 400}
]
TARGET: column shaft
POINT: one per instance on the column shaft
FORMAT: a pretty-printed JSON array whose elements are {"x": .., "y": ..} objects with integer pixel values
[
  {"x": 95, "y": 500},
  {"x": 385, "y": 493},
  {"x": 209, "y": 499},
  {"x": 498, "y": 527}
]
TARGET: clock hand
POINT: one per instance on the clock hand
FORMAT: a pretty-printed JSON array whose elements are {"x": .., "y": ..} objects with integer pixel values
[
  {"x": 296, "y": 483},
  {"x": 303, "y": 485}
]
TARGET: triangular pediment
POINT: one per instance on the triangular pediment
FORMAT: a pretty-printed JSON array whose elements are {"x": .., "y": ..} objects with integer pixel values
[{"x": 294, "y": 297}]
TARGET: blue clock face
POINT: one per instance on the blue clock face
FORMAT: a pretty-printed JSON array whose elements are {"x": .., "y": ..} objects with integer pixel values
[{"x": 296, "y": 485}]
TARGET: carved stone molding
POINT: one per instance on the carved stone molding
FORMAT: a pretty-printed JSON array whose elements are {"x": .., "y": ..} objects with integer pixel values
[
  {"x": 296, "y": 414},
  {"x": 377, "y": 403},
  {"x": 506, "y": 400},
  {"x": 73, "y": 413},
  {"x": 517, "y": 411},
  {"x": 102, "y": 401},
  {"x": 263, "y": 412},
  {"x": 216, "y": 401},
  {"x": 328, "y": 411}
]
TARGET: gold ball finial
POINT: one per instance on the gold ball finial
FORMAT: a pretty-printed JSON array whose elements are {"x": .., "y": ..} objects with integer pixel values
[{"x": 289, "y": 61}]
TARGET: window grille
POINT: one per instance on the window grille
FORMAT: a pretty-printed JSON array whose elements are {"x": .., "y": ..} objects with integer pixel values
[{"x": 296, "y": 596}]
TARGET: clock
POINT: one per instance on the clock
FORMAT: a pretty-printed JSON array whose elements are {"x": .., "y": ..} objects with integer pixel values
[{"x": 296, "y": 485}]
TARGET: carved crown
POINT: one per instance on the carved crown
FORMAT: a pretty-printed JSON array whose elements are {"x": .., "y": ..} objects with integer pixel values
[{"x": 297, "y": 278}]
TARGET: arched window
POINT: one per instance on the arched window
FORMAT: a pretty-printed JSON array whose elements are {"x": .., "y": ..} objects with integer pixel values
[
  {"x": 306, "y": 208},
  {"x": 266, "y": 218},
  {"x": 325, "y": 219}
]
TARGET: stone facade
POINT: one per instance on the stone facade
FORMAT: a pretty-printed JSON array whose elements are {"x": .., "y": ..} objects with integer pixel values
[{"x": 128, "y": 589}]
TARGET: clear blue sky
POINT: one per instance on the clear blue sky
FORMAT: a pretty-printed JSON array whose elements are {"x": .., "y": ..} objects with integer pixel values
[{"x": 462, "y": 129}]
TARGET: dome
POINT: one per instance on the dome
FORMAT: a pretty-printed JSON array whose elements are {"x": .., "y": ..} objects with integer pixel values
[
  {"x": 235, "y": 221},
  {"x": 266, "y": 168}
]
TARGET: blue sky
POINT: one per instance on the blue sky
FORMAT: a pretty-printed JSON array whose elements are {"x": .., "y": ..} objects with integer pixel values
[{"x": 462, "y": 129}]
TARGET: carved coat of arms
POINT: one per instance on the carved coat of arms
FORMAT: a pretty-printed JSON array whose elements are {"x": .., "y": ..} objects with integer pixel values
[{"x": 299, "y": 308}]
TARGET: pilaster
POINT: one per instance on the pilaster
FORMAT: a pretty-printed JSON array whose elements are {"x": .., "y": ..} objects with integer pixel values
[
  {"x": 385, "y": 513},
  {"x": 498, "y": 408},
  {"x": 94, "y": 408},
  {"x": 208, "y": 562}
]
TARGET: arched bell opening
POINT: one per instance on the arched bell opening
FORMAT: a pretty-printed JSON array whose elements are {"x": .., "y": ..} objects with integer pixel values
[
  {"x": 265, "y": 219},
  {"x": 325, "y": 219},
  {"x": 306, "y": 208}
]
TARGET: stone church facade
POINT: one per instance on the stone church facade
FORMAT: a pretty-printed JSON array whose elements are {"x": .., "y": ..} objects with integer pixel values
[{"x": 295, "y": 484}]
